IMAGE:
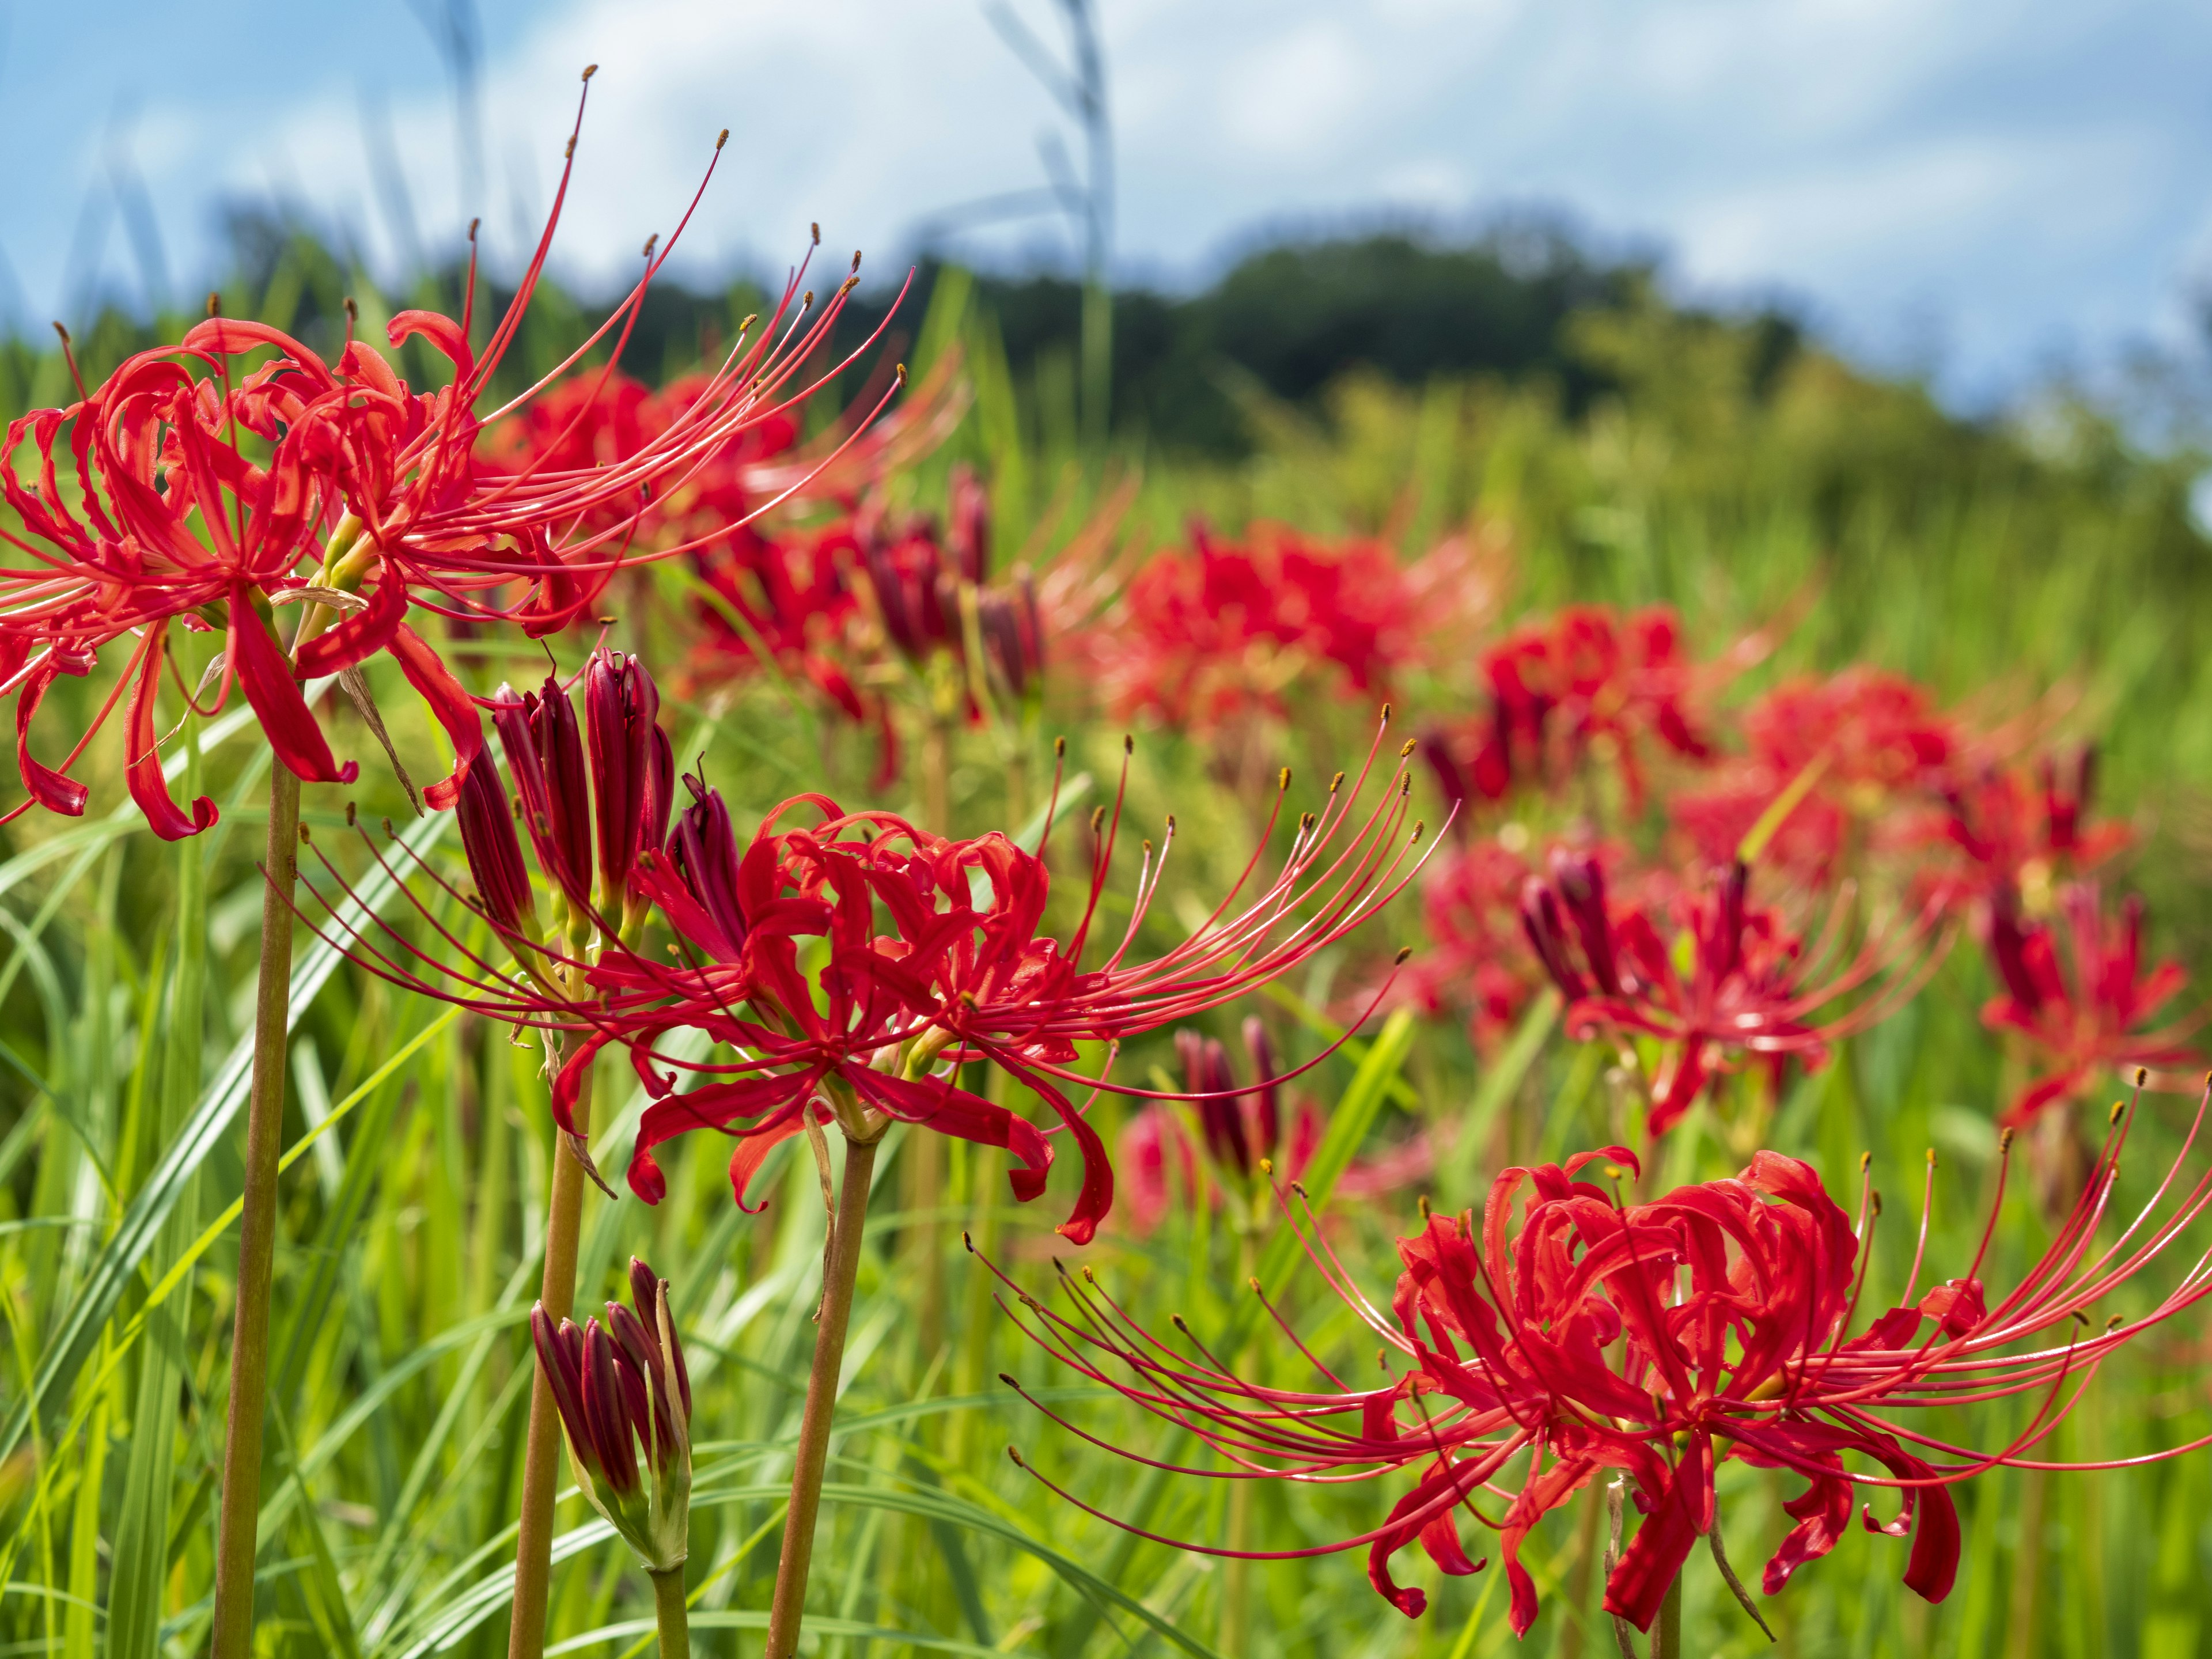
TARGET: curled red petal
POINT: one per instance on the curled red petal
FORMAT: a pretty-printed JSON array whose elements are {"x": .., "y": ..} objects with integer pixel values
[
  {"x": 935, "y": 1104},
  {"x": 449, "y": 705},
  {"x": 52, "y": 790},
  {"x": 754, "y": 1145},
  {"x": 440, "y": 330},
  {"x": 1656, "y": 1553},
  {"x": 357, "y": 637},
  {"x": 267, "y": 680},
  {"x": 714, "y": 1107},
  {"x": 143, "y": 768}
]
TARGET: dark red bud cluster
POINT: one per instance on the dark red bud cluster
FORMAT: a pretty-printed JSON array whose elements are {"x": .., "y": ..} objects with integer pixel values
[
  {"x": 633, "y": 768},
  {"x": 618, "y": 1395},
  {"x": 625, "y": 785},
  {"x": 1241, "y": 1128}
]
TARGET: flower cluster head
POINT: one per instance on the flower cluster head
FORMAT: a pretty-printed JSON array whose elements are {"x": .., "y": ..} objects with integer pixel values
[
  {"x": 1219, "y": 632},
  {"x": 1479, "y": 959},
  {"x": 1587, "y": 680},
  {"x": 2079, "y": 991},
  {"x": 851, "y": 963},
  {"x": 1833, "y": 756},
  {"x": 214, "y": 483},
  {"x": 2020, "y": 834},
  {"x": 865, "y": 599},
  {"x": 1726, "y": 980},
  {"x": 624, "y": 1399},
  {"x": 929, "y": 589},
  {"x": 1566, "y": 1335}
]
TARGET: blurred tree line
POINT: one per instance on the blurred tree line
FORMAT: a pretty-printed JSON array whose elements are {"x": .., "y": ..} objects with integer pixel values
[{"x": 1282, "y": 323}]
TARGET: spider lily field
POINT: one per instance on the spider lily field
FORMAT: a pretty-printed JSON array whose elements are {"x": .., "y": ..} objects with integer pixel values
[{"x": 1442, "y": 1027}]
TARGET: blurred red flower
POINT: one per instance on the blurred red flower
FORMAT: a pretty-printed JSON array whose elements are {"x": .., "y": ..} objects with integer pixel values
[
  {"x": 1730, "y": 979},
  {"x": 1587, "y": 680},
  {"x": 1220, "y": 631},
  {"x": 1854, "y": 745},
  {"x": 2078, "y": 990}
]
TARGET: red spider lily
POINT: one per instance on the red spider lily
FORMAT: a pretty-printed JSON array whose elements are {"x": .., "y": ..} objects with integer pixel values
[
  {"x": 1219, "y": 632},
  {"x": 1477, "y": 958},
  {"x": 1735, "y": 981},
  {"x": 1850, "y": 746},
  {"x": 624, "y": 1395},
  {"x": 2078, "y": 989},
  {"x": 1245, "y": 1132},
  {"x": 963, "y": 974},
  {"x": 831, "y": 605},
  {"x": 2018, "y": 834},
  {"x": 930, "y": 592},
  {"x": 1587, "y": 679},
  {"x": 1154, "y": 1142},
  {"x": 1657, "y": 1341},
  {"x": 371, "y": 502},
  {"x": 931, "y": 955}
]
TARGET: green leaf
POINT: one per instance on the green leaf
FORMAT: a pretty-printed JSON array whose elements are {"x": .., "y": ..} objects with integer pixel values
[{"x": 78, "y": 1331}]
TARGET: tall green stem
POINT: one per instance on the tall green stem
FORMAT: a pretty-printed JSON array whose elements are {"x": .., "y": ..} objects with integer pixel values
[
  {"x": 1667, "y": 1640},
  {"x": 541, "y": 1458},
  {"x": 257, "y": 1238},
  {"x": 844, "y": 1269},
  {"x": 674, "y": 1618}
]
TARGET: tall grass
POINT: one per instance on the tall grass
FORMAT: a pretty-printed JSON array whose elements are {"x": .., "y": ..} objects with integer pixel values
[{"x": 2051, "y": 568}]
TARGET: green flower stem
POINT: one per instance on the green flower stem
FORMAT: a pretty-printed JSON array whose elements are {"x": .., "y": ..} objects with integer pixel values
[
  {"x": 789, "y": 1606},
  {"x": 541, "y": 1461},
  {"x": 674, "y": 1617},
  {"x": 256, "y": 1241},
  {"x": 1667, "y": 1640}
]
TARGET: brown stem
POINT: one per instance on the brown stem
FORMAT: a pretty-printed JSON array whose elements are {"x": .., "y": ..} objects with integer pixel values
[
  {"x": 235, "y": 1540},
  {"x": 844, "y": 1269},
  {"x": 673, "y": 1617},
  {"x": 541, "y": 1464}
]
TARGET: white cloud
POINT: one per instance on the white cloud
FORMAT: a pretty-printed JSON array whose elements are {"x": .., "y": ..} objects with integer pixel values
[
  {"x": 2035, "y": 171},
  {"x": 1288, "y": 97}
]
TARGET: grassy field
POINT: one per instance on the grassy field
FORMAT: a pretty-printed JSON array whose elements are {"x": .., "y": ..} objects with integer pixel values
[{"x": 2042, "y": 571}]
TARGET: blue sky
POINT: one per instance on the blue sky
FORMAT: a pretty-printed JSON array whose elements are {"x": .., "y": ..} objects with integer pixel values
[{"x": 1988, "y": 191}]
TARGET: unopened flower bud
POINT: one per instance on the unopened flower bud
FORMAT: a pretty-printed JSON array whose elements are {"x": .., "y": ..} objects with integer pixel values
[{"x": 624, "y": 1395}]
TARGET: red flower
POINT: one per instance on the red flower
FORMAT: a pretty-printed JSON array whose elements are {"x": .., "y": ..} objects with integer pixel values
[
  {"x": 964, "y": 973},
  {"x": 838, "y": 605},
  {"x": 848, "y": 961},
  {"x": 1733, "y": 981},
  {"x": 1851, "y": 746},
  {"x": 1477, "y": 958},
  {"x": 613, "y": 772},
  {"x": 372, "y": 502},
  {"x": 2016, "y": 835},
  {"x": 1587, "y": 680},
  {"x": 2078, "y": 989},
  {"x": 1220, "y": 632},
  {"x": 1655, "y": 1341}
]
